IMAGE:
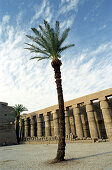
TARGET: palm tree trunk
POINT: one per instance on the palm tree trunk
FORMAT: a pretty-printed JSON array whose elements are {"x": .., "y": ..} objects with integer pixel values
[
  {"x": 61, "y": 144},
  {"x": 17, "y": 130}
]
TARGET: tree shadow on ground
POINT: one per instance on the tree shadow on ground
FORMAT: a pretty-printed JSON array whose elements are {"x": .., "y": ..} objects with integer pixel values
[
  {"x": 89, "y": 156},
  {"x": 66, "y": 161}
]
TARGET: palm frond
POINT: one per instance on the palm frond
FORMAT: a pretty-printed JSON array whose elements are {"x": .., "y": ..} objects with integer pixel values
[
  {"x": 64, "y": 36},
  {"x": 47, "y": 26},
  {"x": 57, "y": 28},
  {"x": 39, "y": 35},
  {"x": 33, "y": 48},
  {"x": 66, "y": 47},
  {"x": 41, "y": 38},
  {"x": 45, "y": 34},
  {"x": 39, "y": 58},
  {"x": 50, "y": 35},
  {"x": 37, "y": 32},
  {"x": 39, "y": 41},
  {"x": 18, "y": 109},
  {"x": 49, "y": 41}
]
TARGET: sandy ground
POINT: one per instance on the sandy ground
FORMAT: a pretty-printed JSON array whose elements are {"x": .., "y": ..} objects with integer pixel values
[{"x": 79, "y": 156}]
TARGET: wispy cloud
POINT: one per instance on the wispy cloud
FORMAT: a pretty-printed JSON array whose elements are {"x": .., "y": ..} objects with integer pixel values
[
  {"x": 102, "y": 27},
  {"x": 68, "y": 5},
  {"x": 39, "y": 12},
  {"x": 46, "y": 12},
  {"x": 5, "y": 19},
  {"x": 32, "y": 83},
  {"x": 69, "y": 9},
  {"x": 88, "y": 73}
]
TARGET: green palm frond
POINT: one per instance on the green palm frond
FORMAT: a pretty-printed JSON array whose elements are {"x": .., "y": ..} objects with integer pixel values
[
  {"x": 33, "y": 48},
  {"x": 57, "y": 32},
  {"x": 64, "y": 36},
  {"x": 39, "y": 58},
  {"x": 66, "y": 47},
  {"x": 47, "y": 26},
  {"x": 48, "y": 41},
  {"x": 45, "y": 33},
  {"x": 40, "y": 41},
  {"x": 19, "y": 108},
  {"x": 57, "y": 28},
  {"x": 37, "y": 40}
]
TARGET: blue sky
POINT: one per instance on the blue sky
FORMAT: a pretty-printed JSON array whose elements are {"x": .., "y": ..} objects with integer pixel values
[{"x": 86, "y": 68}]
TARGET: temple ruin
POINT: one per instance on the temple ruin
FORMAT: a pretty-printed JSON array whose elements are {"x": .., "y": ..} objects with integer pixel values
[
  {"x": 87, "y": 117},
  {"x": 7, "y": 127}
]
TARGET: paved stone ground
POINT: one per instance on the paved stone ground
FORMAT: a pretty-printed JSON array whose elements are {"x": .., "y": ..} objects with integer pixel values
[{"x": 79, "y": 156}]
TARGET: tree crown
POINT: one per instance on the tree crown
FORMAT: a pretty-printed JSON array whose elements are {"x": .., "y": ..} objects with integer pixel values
[
  {"x": 18, "y": 108},
  {"x": 48, "y": 41}
]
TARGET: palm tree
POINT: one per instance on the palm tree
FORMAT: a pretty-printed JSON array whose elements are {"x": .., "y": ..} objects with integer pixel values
[
  {"x": 18, "y": 108},
  {"x": 49, "y": 44}
]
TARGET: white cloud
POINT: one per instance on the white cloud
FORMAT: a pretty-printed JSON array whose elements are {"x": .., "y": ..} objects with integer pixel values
[
  {"x": 91, "y": 75},
  {"x": 45, "y": 11},
  {"x": 32, "y": 83},
  {"x": 103, "y": 27},
  {"x": 19, "y": 18},
  {"x": 5, "y": 19},
  {"x": 48, "y": 14},
  {"x": 67, "y": 23},
  {"x": 39, "y": 12},
  {"x": 69, "y": 9},
  {"x": 70, "y": 5}
]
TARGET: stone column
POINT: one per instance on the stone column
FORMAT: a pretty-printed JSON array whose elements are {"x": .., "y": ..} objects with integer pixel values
[
  {"x": 39, "y": 126},
  {"x": 84, "y": 125},
  {"x": 106, "y": 116},
  {"x": 20, "y": 128},
  {"x": 67, "y": 122},
  {"x": 22, "y": 121},
  {"x": 47, "y": 125},
  {"x": 32, "y": 126},
  {"x": 91, "y": 120},
  {"x": 72, "y": 125},
  {"x": 78, "y": 123},
  {"x": 97, "y": 124},
  {"x": 56, "y": 123},
  {"x": 26, "y": 128}
]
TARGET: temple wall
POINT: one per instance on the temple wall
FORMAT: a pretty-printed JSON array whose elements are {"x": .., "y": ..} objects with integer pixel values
[
  {"x": 7, "y": 128},
  {"x": 89, "y": 116}
]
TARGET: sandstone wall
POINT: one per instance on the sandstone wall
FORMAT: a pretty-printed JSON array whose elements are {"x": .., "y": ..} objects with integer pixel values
[
  {"x": 89, "y": 116},
  {"x": 7, "y": 127}
]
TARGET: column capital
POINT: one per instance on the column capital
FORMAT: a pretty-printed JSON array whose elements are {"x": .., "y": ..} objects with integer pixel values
[
  {"x": 88, "y": 102},
  {"x": 32, "y": 120},
  {"x": 104, "y": 104},
  {"x": 75, "y": 106},
  {"x": 89, "y": 106},
  {"x": 45, "y": 114},
  {"x": 31, "y": 117},
  {"x": 66, "y": 108},
  {"x": 38, "y": 117},
  {"x": 102, "y": 98},
  {"x": 55, "y": 114},
  {"x": 53, "y": 111},
  {"x": 46, "y": 117},
  {"x": 26, "y": 120},
  {"x": 67, "y": 112}
]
